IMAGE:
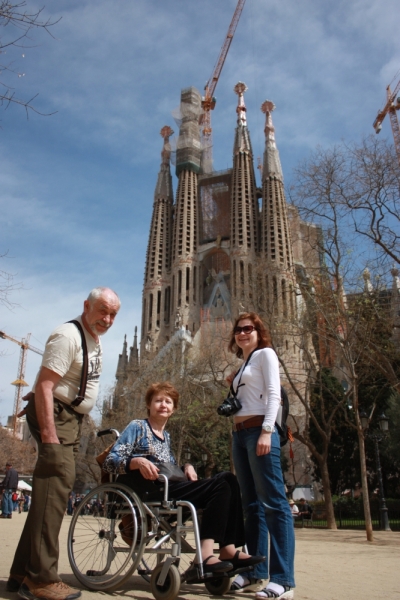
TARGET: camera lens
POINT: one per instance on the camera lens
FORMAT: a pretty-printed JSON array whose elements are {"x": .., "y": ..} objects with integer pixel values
[{"x": 224, "y": 409}]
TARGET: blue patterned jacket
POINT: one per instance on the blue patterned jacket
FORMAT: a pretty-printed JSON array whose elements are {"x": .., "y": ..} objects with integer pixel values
[{"x": 138, "y": 439}]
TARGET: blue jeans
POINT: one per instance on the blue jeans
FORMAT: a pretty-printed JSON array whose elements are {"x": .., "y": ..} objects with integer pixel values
[
  {"x": 7, "y": 503},
  {"x": 265, "y": 506}
]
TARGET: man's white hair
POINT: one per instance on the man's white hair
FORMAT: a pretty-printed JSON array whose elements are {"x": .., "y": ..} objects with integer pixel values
[{"x": 98, "y": 292}]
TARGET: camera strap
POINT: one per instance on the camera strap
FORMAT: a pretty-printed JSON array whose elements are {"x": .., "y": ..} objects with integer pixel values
[{"x": 240, "y": 378}]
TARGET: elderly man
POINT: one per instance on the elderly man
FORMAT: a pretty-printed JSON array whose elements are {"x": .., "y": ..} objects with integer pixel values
[
  {"x": 54, "y": 416},
  {"x": 9, "y": 485}
]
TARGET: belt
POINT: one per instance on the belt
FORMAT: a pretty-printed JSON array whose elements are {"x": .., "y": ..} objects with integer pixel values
[{"x": 252, "y": 422}]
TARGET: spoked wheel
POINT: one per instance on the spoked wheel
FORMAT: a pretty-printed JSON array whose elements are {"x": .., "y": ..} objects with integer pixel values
[
  {"x": 218, "y": 587},
  {"x": 170, "y": 588},
  {"x": 105, "y": 547},
  {"x": 163, "y": 541}
]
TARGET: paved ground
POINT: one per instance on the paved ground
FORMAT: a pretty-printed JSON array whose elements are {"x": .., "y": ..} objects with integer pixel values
[{"x": 330, "y": 565}]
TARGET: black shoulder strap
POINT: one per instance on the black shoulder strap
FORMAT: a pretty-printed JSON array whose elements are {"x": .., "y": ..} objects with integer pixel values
[
  {"x": 85, "y": 367},
  {"x": 240, "y": 378}
]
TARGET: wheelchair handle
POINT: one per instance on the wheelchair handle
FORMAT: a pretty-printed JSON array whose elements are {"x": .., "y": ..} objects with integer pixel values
[{"x": 107, "y": 432}]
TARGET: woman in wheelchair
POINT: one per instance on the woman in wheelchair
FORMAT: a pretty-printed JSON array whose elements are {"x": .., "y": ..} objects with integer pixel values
[{"x": 144, "y": 444}]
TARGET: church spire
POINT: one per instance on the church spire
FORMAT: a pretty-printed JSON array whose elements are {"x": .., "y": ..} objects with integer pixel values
[
  {"x": 121, "y": 373},
  {"x": 272, "y": 163},
  {"x": 275, "y": 235},
  {"x": 242, "y": 136},
  {"x": 158, "y": 258},
  {"x": 134, "y": 354},
  {"x": 244, "y": 208}
]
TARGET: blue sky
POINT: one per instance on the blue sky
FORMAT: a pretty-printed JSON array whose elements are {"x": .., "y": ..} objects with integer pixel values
[{"x": 76, "y": 188}]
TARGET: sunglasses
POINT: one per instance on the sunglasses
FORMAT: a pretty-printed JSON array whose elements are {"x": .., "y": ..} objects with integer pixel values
[{"x": 246, "y": 329}]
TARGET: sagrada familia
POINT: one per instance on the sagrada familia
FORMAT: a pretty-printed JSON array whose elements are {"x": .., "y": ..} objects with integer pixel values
[
  {"x": 204, "y": 247},
  {"x": 225, "y": 246}
]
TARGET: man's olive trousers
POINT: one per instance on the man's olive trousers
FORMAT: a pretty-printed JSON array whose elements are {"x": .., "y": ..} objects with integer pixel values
[{"x": 53, "y": 478}]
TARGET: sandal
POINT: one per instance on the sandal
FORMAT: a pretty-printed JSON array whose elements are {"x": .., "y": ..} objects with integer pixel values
[
  {"x": 287, "y": 594},
  {"x": 241, "y": 582}
]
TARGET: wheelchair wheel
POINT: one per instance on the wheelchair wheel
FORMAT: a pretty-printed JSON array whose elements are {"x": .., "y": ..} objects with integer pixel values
[
  {"x": 218, "y": 587},
  {"x": 150, "y": 560},
  {"x": 170, "y": 588},
  {"x": 105, "y": 546}
]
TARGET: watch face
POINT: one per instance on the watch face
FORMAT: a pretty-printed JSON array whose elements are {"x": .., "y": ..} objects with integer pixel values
[{"x": 267, "y": 428}]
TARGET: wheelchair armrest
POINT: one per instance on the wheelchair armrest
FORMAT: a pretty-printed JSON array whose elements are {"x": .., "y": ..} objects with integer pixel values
[{"x": 164, "y": 479}]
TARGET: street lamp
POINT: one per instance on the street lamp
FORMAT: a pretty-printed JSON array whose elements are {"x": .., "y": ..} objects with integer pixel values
[{"x": 378, "y": 437}]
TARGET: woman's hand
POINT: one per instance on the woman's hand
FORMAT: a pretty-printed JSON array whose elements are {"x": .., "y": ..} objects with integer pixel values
[
  {"x": 263, "y": 444},
  {"x": 147, "y": 469},
  {"x": 230, "y": 378},
  {"x": 190, "y": 472}
]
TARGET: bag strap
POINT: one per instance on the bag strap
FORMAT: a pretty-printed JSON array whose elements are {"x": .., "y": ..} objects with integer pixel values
[
  {"x": 85, "y": 367},
  {"x": 240, "y": 378}
]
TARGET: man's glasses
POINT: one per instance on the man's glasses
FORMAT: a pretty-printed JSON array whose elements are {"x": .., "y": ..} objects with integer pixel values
[{"x": 246, "y": 329}]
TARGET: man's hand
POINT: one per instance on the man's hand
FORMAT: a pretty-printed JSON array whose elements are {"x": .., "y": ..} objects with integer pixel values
[
  {"x": 44, "y": 405},
  {"x": 147, "y": 469},
  {"x": 263, "y": 444}
]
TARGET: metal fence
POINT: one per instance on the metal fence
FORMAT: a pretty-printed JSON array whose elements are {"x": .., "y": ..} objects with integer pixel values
[{"x": 351, "y": 517}]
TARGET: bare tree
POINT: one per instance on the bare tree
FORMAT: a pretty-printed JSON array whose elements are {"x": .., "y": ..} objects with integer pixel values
[
  {"x": 325, "y": 193},
  {"x": 7, "y": 286},
  {"x": 18, "y": 22}
]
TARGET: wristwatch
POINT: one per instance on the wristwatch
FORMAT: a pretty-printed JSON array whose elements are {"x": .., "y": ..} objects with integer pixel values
[{"x": 268, "y": 428}]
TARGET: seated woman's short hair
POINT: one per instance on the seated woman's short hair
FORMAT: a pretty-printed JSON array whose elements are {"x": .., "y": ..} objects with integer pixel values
[{"x": 165, "y": 387}]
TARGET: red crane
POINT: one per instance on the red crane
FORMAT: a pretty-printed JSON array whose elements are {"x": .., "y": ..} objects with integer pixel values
[
  {"x": 208, "y": 102},
  {"x": 20, "y": 383},
  {"x": 390, "y": 107}
]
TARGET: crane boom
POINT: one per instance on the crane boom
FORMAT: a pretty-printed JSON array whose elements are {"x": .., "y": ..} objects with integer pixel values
[
  {"x": 208, "y": 102},
  {"x": 212, "y": 82},
  {"x": 21, "y": 343},
  {"x": 19, "y": 382},
  {"x": 390, "y": 107}
]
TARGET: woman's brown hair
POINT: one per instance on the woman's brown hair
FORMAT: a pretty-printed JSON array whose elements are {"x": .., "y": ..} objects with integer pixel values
[
  {"x": 264, "y": 337},
  {"x": 165, "y": 387}
]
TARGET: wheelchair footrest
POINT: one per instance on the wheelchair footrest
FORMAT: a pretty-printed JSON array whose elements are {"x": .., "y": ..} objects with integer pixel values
[{"x": 192, "y": 575}]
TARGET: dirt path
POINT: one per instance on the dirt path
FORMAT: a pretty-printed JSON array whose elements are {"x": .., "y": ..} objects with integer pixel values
[{"x": 330, "y": 565}]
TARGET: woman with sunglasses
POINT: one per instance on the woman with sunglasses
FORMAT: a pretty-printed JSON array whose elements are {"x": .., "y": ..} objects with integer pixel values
[{"x": 256, "y": 455}]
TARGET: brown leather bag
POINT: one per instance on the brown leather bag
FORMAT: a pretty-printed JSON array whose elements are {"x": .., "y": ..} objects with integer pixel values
[{"x": 100, "y": 458}]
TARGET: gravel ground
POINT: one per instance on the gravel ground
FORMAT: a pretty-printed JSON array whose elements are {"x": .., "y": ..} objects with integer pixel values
[{"x": 330, "y": 565}]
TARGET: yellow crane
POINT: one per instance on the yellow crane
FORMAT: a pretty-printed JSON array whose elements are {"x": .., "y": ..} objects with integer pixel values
[
  {"x": 20, "y": 382},
  {"x": 392, "y": 105}
]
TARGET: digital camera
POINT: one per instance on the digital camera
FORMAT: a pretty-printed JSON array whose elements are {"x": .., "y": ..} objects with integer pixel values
[{"x": 230, "y": 406}]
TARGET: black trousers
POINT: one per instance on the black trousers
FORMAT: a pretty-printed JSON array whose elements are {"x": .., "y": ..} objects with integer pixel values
[{"x": 218, "y": 497}]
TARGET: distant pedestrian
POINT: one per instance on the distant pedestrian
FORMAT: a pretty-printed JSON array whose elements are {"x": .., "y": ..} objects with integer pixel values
[
  {"x": 9, "y": 485},
  {"x": 294, "y": 508}
]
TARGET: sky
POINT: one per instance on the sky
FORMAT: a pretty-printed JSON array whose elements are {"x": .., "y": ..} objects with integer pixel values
[{"x": 76, "y": 187}]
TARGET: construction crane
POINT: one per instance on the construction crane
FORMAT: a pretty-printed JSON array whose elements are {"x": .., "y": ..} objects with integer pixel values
[
  {"x": 208, "y": 101},
  {"x": 20, "y": 382},
  {"x": 390, "y": 107}
]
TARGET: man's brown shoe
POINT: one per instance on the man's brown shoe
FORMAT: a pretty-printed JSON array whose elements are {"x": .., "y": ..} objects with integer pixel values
[
  {"x": 14, "y": 582},
  {"x": 58, "y": 590}
]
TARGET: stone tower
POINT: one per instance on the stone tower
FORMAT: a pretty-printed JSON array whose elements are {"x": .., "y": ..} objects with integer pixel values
[
  {"x": 157, "y": 289},
  {"x": 184, "y": 268},
  {"x": 244, "y": 211},
  {"x": 276, "y": 244}
]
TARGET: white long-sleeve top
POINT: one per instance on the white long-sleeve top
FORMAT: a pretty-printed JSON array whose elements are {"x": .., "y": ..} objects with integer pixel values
[{"x": 261, "y": 392}]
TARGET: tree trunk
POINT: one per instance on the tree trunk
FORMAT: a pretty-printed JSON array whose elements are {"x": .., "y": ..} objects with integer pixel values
[
  {"x": 330, "y": 513},
  {"x": 364, "y": 484}
]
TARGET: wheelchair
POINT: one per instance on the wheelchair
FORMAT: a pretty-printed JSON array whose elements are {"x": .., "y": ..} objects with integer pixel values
[{"x": 114, "y": 533}]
